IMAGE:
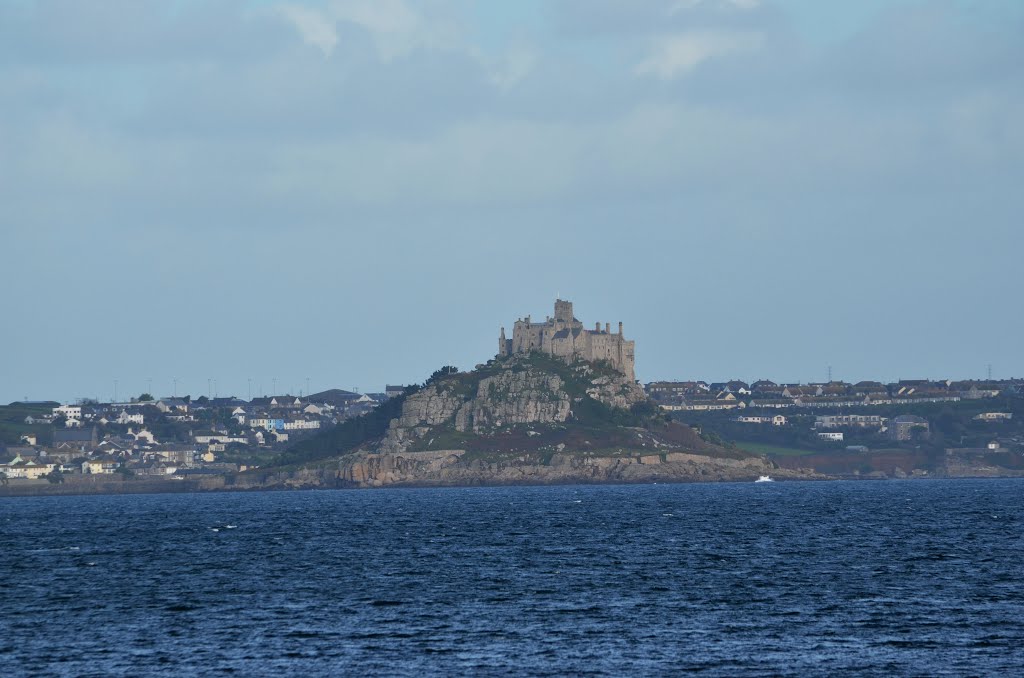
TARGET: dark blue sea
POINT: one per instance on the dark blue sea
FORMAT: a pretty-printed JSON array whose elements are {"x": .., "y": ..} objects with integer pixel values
[{"x": 922, "y": 578}]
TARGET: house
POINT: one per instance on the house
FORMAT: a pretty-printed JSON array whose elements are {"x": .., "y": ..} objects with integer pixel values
[
  {"x": 836, "y": 436},
  {"x": 222, "y": 437},
  {"x": 800, "y": 391},
  {"x": 277, "y": 403},
  {"x": 903, "y": 426},
  {"x": 28, "y": 469},
  {"x": 301, "y": 425},
  {"x": 766, "y": 387},
  {"x": 990, "y": 416},
  {"x": 182, "y": 455},
  {"x": 738, "y": 387},
  {"x": 865, "y": 388},
  {"x": 68, "y": 412},
  {"x": 81, "y": 439},
  {"x": 993, "y": 446},
  {"x": 29, "y": 439},
  {"x": 100, "y": 466},
  {"x": 268, "y": 423},
  {"x": 143, "y": 436},
  {"x": 774, "y": 420},
  {"x": 393, "y": 391},
  {"x": 168, "y": 405},
  {"x": 124, "y": 418},
  {"x": 852, "y": 420}
]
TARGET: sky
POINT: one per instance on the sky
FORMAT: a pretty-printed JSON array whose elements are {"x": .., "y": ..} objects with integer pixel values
[{"x": 239, "y": 196}]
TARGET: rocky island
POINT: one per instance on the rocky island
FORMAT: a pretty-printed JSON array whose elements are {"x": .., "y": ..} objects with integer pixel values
[{"x": 558, "y": 404}]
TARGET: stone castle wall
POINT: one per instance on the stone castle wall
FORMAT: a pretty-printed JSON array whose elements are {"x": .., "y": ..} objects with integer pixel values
[{"x": 564, "y": 336}]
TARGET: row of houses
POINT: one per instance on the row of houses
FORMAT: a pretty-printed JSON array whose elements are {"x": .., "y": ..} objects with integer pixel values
[{"x": 701, "y": 396}]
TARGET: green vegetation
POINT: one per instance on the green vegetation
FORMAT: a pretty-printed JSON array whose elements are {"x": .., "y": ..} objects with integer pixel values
[
  {"x": 772, "y": 450},
  {"x": 347, "y": 435},
  {"x": 13, "y": 426}
]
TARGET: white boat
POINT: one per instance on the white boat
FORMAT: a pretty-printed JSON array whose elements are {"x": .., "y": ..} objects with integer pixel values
[{"x": 764, "y": 479}]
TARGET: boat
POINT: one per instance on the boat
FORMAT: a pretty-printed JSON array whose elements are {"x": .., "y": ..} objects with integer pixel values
[{"x": 764, "y": 479}]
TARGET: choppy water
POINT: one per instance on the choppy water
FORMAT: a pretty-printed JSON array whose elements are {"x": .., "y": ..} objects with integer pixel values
[{"x": 882, "y": 578}]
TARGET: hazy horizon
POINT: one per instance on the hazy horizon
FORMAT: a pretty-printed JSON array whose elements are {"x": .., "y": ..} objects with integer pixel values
[{"x": 358, "y": 192}]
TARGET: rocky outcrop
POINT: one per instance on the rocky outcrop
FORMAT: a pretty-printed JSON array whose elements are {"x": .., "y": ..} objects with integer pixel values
[
  {"x": 616, "y": 391},
  {"x": 510, "y": 393},
  {"x": 512, "y": 398}
]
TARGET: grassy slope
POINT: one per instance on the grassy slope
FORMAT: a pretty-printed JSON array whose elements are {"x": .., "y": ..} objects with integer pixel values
[{"x": 13, "y": 426}]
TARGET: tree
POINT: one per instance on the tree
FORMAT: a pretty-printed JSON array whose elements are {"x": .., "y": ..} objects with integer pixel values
[
  {"x": 443, "y": 372},
  {"x": 145, "y": 398},
  {"x": 55, "y": 477}
]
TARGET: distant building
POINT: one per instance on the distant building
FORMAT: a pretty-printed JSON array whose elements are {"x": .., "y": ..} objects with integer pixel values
[
  {"x": 993, "y": 416},
  {"x": 564, "y": 336},
  {"x": 903, "y": 426},
  {"x": 774, "y": 420},
  {"x": 852, "y": 420},
  {"x": 836, "y": 436},
  {"x": 81, "y": 439},
  {"x": 392, "y": 391}
]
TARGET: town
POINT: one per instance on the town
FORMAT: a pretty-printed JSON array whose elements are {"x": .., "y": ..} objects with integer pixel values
[
  {"x": 182, "y": 437},
  {"x": 174, "y": 437}
]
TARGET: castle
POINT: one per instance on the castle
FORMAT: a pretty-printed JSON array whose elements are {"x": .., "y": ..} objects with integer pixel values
[{"x": 565, "y": 337}]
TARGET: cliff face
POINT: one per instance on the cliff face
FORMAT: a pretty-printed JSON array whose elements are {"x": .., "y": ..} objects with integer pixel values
[
  {"x": 517, "y": 391},
  {"x": 453, "y": 467}
]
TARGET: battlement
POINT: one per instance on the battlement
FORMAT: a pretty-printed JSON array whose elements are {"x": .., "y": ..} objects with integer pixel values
[{"x": 564, "y": 336}]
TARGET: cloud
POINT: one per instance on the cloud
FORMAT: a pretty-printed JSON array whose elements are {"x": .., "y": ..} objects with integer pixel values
[
  {"x": 394, "y": 26},
  {"x": 674, "y": 55},
  {"x": 315, "y": 27}
]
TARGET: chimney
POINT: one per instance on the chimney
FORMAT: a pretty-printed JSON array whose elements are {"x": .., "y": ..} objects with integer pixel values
[
  {"x": 597, "y": 327},
  {"x": 620, "y": 328}
]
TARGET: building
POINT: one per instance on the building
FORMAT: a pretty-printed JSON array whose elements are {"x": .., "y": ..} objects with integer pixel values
[
  {"x": 903, "y": 426},
  {"x": 836, "y": 436},
  {"x": 565, "y": 337},
  {"x": 774, "y": 420},
  {"x": 81, "y": 439},
  {"x": 852, "y": 420},
  {"x": 993, "y": 416},
  {"x": 100, "y": 466},
  {"x": 136, "y": 418}
]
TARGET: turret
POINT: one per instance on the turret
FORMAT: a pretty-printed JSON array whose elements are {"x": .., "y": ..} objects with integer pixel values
[
  {"x": 563, "y": 311},
  {"x": 620, "y": 328}
]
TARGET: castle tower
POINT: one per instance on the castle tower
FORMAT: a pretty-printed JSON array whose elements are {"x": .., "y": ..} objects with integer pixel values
[
  {"x": 504, "y": 345},
  {"x": 563, "y": 311}
]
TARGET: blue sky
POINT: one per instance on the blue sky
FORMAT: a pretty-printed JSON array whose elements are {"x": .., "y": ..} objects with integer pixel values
[{"x": 357, "y": 192}]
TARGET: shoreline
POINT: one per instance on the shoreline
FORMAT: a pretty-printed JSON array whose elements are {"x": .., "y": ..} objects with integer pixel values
[{"x": 129, "y": 487}]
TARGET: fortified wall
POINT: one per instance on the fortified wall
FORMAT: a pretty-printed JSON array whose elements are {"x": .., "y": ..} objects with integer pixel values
[{"x": 564, "y": 336}]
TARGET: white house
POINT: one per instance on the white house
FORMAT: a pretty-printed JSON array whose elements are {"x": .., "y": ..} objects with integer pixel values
[
  {"x": 831, "y": 435},
  {"x": 68, "y": 412},
  {"x": 124, "y": 418},
  {"x": 302, "y": 425}
]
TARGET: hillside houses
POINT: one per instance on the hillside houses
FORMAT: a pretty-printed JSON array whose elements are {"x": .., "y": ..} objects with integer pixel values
[
  {"x": 171, "y": 436},
  {"x": 766, "y": 394}
]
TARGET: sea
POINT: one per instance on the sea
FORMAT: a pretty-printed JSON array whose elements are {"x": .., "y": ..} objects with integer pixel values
[{"x": 886, "y": 578}]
